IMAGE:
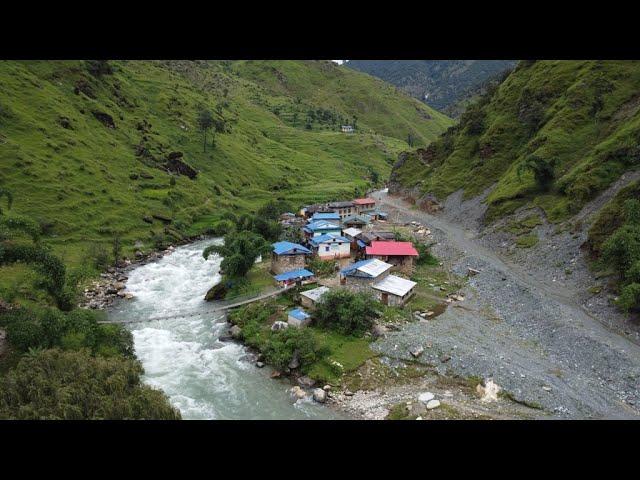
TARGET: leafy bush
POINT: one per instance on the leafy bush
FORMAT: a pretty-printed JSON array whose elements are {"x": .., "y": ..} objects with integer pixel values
[
  {"x": 542, "y": 170},
  {"x": 58, "y": 385},
  {"x": 346, "y": 312},
  {"x": 282, "y": 345}
]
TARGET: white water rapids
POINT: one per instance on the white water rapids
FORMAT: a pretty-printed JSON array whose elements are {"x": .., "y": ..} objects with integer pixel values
[{"x": 203, "y": 377}]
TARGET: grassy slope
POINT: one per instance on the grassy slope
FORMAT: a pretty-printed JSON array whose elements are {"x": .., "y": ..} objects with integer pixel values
[
  {"x": 590, "y": 126},
  {"x": 78, "y": 179}
]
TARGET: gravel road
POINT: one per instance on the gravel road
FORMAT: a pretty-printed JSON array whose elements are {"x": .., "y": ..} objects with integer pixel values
[{"x": 530, "y": 335}]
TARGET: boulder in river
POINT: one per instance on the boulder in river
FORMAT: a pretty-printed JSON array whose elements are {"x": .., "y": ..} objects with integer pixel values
[
  {"x": 235, "y": 331},
  {"x": 319, "y": 395},
  {"x": 298, "y": 393},
  {"x": 217, "y": 292}
]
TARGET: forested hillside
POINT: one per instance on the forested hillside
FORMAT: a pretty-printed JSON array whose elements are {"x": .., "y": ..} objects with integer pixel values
[{"x": 446, "y": 85}]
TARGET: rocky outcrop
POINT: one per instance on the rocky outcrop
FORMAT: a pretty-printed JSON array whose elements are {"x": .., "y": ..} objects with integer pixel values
[
  {"x": 104, "y": 118},
  {"x": 82, "y": 86},
  {"x": 175, "y": 164}
]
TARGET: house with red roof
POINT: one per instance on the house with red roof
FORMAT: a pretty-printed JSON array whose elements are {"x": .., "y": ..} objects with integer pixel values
[
  {"x": 401, "y": 255},
  {"x": 364, "y": 204}
]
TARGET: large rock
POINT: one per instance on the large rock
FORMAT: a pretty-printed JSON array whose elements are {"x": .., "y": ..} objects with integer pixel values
[
  {"x": 433, "y": 404},
  {"x": 306, "y": 381},
  {"x": 426, "y": 397},
  {"x": 175, "y": 164},
  {"x": 217, "y": 292},
  {"x": 235, "y": 331},
  {"x": 379, "y": 331},
  {"x": 297, "y": 393},
  {"x": 489, "y": 391},
  {"x": 295, "y": 361},
  {"x": 104, "y": 118},
  {"x": 416, "y": 351},
  {"x": 319, "y": 395}
]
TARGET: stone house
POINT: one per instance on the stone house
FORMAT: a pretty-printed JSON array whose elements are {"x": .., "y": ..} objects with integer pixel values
[{"x": 287, "y": 256}]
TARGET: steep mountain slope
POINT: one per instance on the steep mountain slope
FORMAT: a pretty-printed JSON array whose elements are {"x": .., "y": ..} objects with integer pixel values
[
  {"x": 540, "y": 147},
  {"x": 442, "y": 84},
  {"x": 579, "y": 119},
  {"x": 88, "y": 148}
]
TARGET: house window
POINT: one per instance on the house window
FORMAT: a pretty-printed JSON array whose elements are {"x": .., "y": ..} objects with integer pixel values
[{"x": 326, "y": 248}]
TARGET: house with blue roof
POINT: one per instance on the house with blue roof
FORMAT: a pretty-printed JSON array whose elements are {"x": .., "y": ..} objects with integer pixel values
[
  {"x": 298, "y": 318},
  {"x": 287, "y": 256},
  {"x": 331, "y": 246},
  {"x": 300, "y": 276},
  {"x": 357, "y": 221},
  {"x": 328, "y": 216},
  {"x": 321, "y": 227}
]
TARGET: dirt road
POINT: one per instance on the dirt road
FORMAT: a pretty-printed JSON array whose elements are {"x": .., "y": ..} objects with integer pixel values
[{"x": 532, "y": 337}]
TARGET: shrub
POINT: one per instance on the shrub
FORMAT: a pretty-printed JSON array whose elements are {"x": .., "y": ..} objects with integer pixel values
[
  {"x": 346, "y": 312},
  {"x": 99, "y": 256},
  {"x": 542, "y": 170},
  {"x": 282, "y": 345},
  {"x": 58, "y": 385},
  {"x": 630, "y": 297}
]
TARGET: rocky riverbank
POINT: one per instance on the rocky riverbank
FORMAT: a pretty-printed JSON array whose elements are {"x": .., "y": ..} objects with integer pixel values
[{"x": 101, "y": 293}]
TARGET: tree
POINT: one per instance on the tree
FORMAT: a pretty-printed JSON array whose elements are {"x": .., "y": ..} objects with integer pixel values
[
  {"x": 410, "y": 139},
  {"x": 239, "y": 251},
  {"x": 347, "y": 312},
  {"x": 117, "y": 249},
  {"x": 542, "y": 170},
  {"x": 67, "y": 385},
  {"x": 205, "y": 122}
]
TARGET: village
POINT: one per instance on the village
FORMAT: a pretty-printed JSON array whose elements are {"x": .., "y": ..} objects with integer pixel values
[{"x": 353, "y": 234}]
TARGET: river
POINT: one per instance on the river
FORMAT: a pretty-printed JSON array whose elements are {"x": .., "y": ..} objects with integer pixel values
[{"x": 203, "y": 377}]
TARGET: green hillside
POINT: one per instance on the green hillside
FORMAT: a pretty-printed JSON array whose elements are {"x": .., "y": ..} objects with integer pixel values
[
  {"x": 85, "y": 146},
  {"x": 576, "y": 122}
]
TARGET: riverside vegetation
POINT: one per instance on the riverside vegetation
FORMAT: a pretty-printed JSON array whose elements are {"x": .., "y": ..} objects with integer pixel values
[{"x": 101, "y": 159}]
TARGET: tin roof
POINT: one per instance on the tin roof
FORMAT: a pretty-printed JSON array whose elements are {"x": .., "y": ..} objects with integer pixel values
[
  {"x": 364, "y": 201},
  {"x": 328, "y": 238},
  {"x": 395, "y": 285},
  {"x": 325, "y": 216},
  {"x": 299, "y": 314},
  {"x": 315, "y": 294},
  {"x": 352, "y": 232},
  {"x": 392, "y": 248},
  {"x": 288, "y": 248},
  {"x": 300, "y": 273},
  {"x": 321, "y": 225},
  {"x": 371, "y": 268}
]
